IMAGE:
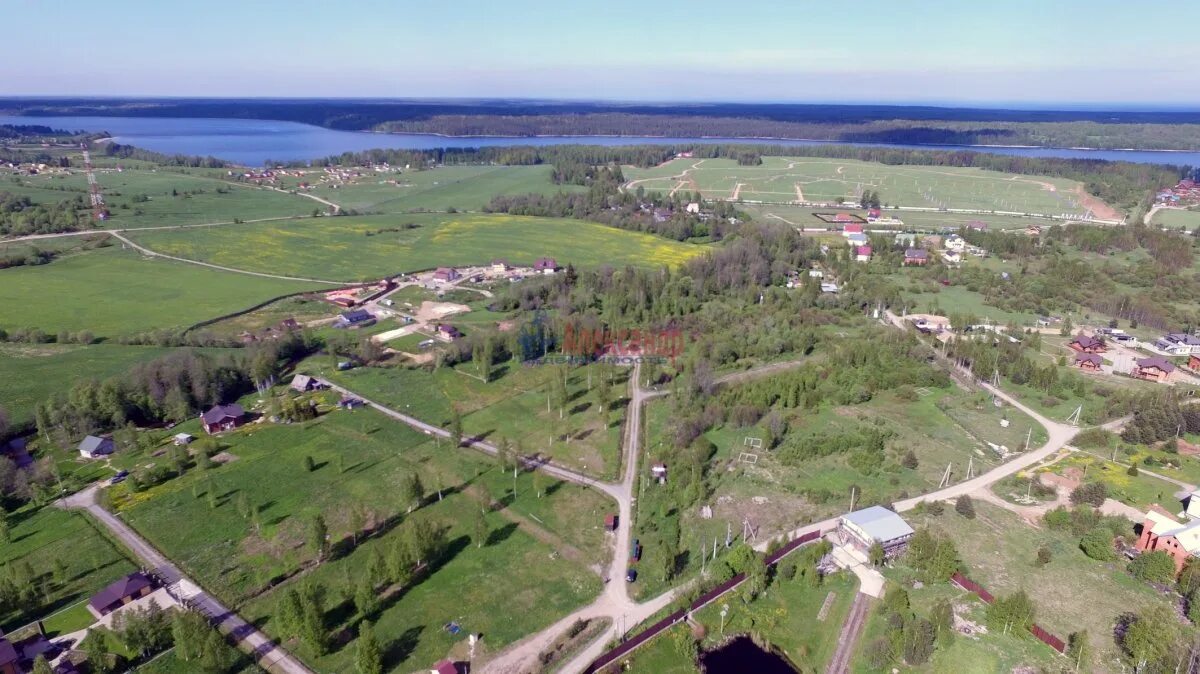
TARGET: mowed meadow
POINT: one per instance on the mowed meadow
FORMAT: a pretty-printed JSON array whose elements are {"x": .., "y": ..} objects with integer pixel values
[
  {"x": 112, "y": 292},
  {"x": 808, "y": 179},
  {"x": 355, "y": 248}
]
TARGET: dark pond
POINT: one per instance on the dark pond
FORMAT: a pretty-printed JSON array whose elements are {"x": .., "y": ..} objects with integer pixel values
[{"x": 743, "y": 656}]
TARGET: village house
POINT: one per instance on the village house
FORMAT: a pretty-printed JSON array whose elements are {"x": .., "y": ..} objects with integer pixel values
[
  {"x": 1161, "y": 531},
  {"x": 693, "y": 208},
  {"x": 448, "y": 333},
  {"x": 862, "y": 254},
  {"x": 916, "y": 257},
  {"x": 856, "y": 239},
  {"x": 847, "y": 218},
  {"x": 864, "y": 528},
  {"x": 1178, "y": 344},
  {"x": 1193, "y": 363},
  {"x": 952, "y": 256},
  {"x": 1033, "y": 230},
  {"x": 1088, "y": 362},
  {"x": 354, "y": 319},
  {"x": 873, "y": 214},
  {"x": 610, "y": 522},
  {"x": 445, "y": 667},
  {"x": 906, "y": 239},
  {"x": 1154, "y": 368},
  {"x": 446, "y": 275},
  {"x": 303, "y": 383},
  {"x": 9, "y": 660},
  {"x": 128, "y": 589},
  {"x": 545, "y": 265},
  {"x": 93, "y": 447},
  {"x": 1084, "y": 344},
  {"x": 499, "y": 266},
  {"x": 955, "y": 243},
  {"x": 222, "y": 418},
  {"x": 829, "y": 287},
  {"x": 977, "y": 225}
]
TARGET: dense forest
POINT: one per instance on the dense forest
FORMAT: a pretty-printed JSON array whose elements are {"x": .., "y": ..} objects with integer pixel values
[
  {"x": 925, "y": 132},
  {"x": 120, "y": 151},
  {"x": 862, "y": 123},
  {"x": 19, "y": 215}
]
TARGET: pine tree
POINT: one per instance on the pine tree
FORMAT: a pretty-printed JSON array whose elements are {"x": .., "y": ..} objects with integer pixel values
[
  {"x": 365, "y": 599},
  {"x": 481, "y": 529}
]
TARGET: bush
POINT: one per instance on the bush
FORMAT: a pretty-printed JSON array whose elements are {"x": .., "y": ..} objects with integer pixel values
[
  {"x": 1133, "y": 470},
  {"x": 1098, "y": 544},
  {"x": 965, "y": 506},
  {"x": 910, "y": 460},
  {"x": 1043, "y": 556},
  {"x": 1092, "y": 493},
  {"x": 1153, "y": 567}
]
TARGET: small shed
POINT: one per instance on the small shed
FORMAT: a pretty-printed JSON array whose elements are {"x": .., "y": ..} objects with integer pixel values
[
  {"x": 864, "y": 528},
  {"x": 659, "y": 471},
  {"x": 610, "y": 522},
  {"x": 181, "y": 439}
]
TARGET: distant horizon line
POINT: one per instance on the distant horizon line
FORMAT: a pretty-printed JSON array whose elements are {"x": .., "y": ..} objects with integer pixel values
[{"x": 1031, "y": 106}]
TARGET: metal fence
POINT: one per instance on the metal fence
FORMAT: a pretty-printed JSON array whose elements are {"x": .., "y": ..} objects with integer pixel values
[{"x": 1041, "y": 634}]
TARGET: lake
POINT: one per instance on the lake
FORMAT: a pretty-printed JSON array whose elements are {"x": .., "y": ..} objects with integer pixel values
[
  {"x": 742, "y": 655},
  {"x": 254, "y": 141}
]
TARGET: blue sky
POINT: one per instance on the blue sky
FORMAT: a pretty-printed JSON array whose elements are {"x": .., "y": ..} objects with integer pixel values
[{"x": 1012, "y": 52}]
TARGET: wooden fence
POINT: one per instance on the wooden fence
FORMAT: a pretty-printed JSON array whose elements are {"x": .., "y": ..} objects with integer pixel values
[
  {"x": 704, "y": 600},
  {"x": 1041, "y": 634}
]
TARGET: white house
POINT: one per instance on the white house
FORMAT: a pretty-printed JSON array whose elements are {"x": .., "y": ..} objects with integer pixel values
[
  {"x": 1178, "y": 344},
  {"x": 864, "y": 528},
  {"x": 955, "y": 243},
  {"x": 693, "y": 208}
]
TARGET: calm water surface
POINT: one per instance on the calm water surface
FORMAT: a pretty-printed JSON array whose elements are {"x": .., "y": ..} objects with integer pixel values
[
  {"x": 254, "y": 141},
  {"x": 743, "y": 656}
]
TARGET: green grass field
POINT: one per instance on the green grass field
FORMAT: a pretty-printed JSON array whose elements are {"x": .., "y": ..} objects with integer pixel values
[
  {"x": 532, "y": 569},
  {"x": 512, "y": 406},
  {"x": 464, "y": 188},
  {"x": 1177, "y": 218},
  {"x": 166, "y": 196},
  {"x": 42, "y": 538},
  {"x": 113, "y": 292},
  {"x": 808, "y": 179},
  {"x": 361, "y": 458},
  {"x": 30, "y": 373},
  {"x": 354, "y": 248}
]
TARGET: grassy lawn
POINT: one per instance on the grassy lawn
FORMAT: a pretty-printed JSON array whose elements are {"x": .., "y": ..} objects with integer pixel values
[
  {"x": 799, "y": 216},
  {"x": 113, "y": 292},
  {"x": 169, "y": 663},
  {"x": 44, "y": 537},
  {"x": 30, "y": 373},
  {"x": 354, "y": 248},
  {"x": 1071, "y": 593},
  {"x": 1138, "y": 491},
  {"x": 1176, "y": 218},
  {"x": 512, "y": 406}
]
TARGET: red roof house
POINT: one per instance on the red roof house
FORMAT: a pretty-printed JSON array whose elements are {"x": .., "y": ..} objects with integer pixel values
[
  {"x": 130, "y": 588},
  {"x": 1088, "y": 362},
  {"x": 1154, "y": 368},
  {"x": 862, "y": 254},
  {"x": 1084, "y": 344},
  {"x": 222, "y": 418},
  {"x": 852, "y": 228},
  {"x": 917, "y": 257}
]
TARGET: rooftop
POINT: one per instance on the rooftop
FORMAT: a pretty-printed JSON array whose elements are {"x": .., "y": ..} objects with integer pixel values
[{"x": 879, "y": 523}]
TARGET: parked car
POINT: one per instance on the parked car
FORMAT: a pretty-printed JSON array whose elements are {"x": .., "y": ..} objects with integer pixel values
[
  {"x": 630, "y": 575},
  {"x": 119, "y": 477},
  {"x": 635, "y": 552}
]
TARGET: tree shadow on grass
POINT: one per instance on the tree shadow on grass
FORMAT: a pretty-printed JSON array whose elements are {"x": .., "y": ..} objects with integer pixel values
[
  {"x": 401, "y": 648},
  {"x": 502, "y": 534}
]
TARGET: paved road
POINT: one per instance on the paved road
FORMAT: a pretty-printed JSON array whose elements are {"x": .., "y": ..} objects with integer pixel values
[{"x": 268, "y": 655}]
